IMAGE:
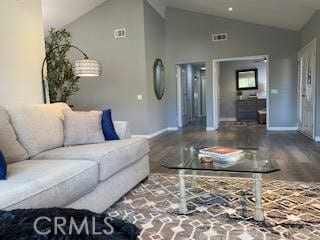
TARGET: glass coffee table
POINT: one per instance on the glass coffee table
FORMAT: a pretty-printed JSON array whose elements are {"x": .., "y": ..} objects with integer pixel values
[{"x": 253, "y": 160}]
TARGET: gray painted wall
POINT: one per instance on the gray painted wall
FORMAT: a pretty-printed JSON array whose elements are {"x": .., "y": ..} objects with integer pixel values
[
  {"x": 188, "y": 39},
  {"x": 310, "y": 31},
  {"x": 154, "y": 29},
  {"x": 123, "y": 61},
  {"x": 184, "y": 36},
  {"x": 127, "y": 62},
  {"x": 228, "y": 87}
]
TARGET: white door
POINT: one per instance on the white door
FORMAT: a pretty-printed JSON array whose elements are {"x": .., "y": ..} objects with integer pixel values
[
  {"x": 216, "y": 94},
  {"x": 182, "y": 96},
  {"x": 196, "y": 96},
  {"x": 306, "y": 89},
  {"x": 179, "y": 95}
]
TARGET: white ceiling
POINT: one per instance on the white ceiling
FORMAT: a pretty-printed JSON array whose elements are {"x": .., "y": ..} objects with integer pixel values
[
  {"x": 288, "y": 14},
  {"x": 58, "y": 13}
]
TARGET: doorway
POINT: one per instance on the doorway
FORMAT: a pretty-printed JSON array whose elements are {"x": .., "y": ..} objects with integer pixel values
[
  {"x": 191, "y": 99},
  {"x": 306, "y": 90},
  {"x": 240, "y": 91}
]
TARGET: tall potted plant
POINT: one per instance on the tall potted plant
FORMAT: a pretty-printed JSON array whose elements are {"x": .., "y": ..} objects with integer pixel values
[{"x": 61, "y": 79}]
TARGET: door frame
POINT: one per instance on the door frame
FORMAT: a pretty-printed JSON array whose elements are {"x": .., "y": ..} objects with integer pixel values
[
  {"x": 180, "y": 103},
  {"x": 216, "y": 90},
  {"x": 314, "y": 41},
  {"x": 216, "y": 93},
  {"x": 179, "y": 95}
]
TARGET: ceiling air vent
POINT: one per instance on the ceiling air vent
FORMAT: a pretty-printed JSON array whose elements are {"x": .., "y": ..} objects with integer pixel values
[
  {"x": 120, "y": 33},
  {"x": 219, "y": 37}
]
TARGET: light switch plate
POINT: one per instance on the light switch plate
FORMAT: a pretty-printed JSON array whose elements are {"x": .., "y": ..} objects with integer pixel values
[
  {"x": 274, "y": 91},
  {"x": 139, "y": 97}
]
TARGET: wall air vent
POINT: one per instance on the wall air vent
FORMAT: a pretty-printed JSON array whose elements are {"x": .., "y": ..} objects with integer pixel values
[
  {"x": 219, "y": 37},
  {"x": 120, "y": 33}
]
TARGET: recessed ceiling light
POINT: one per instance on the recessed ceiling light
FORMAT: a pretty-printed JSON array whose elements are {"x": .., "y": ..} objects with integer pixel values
[
  {"x": 230, "y": 9},
  {"x": 203, "y": 68}
]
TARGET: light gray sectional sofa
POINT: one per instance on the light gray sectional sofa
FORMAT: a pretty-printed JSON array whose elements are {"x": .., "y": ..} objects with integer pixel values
[{"x": 44, "y": 173}]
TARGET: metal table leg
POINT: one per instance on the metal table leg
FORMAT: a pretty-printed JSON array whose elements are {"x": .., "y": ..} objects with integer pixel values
[
  {"x": 258, "y": 210},
  {"x": 194, "y": 179},
  {"x": 183, "y": 204}
]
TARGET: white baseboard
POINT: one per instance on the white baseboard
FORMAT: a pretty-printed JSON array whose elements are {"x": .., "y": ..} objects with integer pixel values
[
  {"x": 172, "y": 128},
  {"x": 152, "y": 135},
  {"x": 228, "y": 119},
  {"x": 282, "y": 128},
  {"x": 210, "y": 129}
]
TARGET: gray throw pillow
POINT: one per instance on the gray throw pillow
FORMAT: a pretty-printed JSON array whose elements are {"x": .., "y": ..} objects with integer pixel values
[{"x": 82, "y": 128}]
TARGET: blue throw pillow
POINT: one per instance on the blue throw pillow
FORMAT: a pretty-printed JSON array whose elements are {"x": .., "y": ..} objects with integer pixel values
[
  {"x": 107, "y": 126},
  {"x": 3, "y": 167}
]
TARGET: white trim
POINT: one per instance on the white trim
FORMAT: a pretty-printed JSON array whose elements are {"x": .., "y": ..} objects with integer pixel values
[
  {"x": 215, "y": 93},
  {"x": 172, "y": 128},
  {"x": 317, "y": 138},
  {"x": 216, "y": 84},
  {"x": 283, "y": 128},
  {"x": 314, "y": 43},
  {"x": 179, "y": 95},
  {"x": 140, "y": 136},
  {"x": 268, "y": 90},
  {"x": 240, "y": 58},
  {"x": 228, "y": 119},
  {"x": 159, "y": 7},
  {"x": 211, "y": 129},
  {"x": 152, "y": 135}
]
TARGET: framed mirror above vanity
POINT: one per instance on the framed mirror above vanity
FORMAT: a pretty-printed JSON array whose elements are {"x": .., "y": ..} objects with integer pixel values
[{"x": 247, "y": 79}]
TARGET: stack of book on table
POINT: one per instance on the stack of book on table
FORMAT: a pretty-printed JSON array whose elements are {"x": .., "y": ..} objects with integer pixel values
[{"x": 221, "y": 154}]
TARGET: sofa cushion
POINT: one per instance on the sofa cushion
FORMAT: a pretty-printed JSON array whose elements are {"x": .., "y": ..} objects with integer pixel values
[
  {"x": 112, "y": 156},
  {"x": 10, "y": 147},
  {"x": 82, "y": 128},
  {"x": 122, "y": 129},
  {"x": 47, "y": 183},
  {"x": 39, "y": 127}
]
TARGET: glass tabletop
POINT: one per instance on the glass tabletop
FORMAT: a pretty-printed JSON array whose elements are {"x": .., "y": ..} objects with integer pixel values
[{"x": 252, "y": 160}]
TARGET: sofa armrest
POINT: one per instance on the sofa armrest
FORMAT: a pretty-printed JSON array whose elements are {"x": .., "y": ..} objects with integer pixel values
[{"x": 123, "y": 129}]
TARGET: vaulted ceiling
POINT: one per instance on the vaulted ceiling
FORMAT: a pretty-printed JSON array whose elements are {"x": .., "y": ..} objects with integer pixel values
[
  {"x": 287, "y": 14},
  {"x": 58, "y": 13}
]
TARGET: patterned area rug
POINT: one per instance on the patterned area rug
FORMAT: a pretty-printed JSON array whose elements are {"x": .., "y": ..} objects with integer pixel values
[{"x": 223, "y": 209}]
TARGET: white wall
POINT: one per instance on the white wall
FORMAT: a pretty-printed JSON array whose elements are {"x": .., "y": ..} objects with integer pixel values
[{"x": 21, "y": 51}]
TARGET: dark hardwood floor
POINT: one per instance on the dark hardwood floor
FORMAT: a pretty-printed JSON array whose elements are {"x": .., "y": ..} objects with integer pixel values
[{"x": 297, "y": 156}]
